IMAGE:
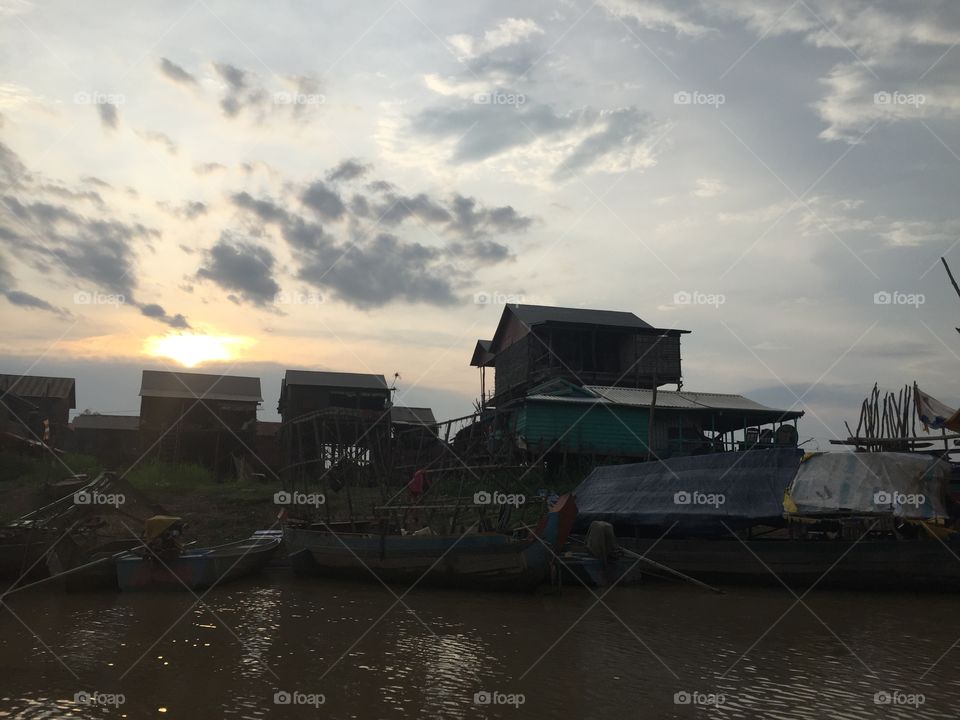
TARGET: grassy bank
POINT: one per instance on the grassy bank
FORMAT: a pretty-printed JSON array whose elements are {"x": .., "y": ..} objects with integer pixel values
[{"x": 215, "y": 511}]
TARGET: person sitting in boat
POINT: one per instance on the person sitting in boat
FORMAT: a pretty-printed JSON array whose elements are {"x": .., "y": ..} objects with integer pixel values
[{"x": 162, "y": 536}]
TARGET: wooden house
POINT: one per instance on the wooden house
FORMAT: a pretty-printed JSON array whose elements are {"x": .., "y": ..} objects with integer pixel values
[
  {"x": 38, "y": 408},
  {"x": 627, "y": 423},
  {"x": 114, "y": 440},
  {"x": 334, "y": 425},
  {"x": 198, "y": 418},
  {"x": 534, "y": 343}
]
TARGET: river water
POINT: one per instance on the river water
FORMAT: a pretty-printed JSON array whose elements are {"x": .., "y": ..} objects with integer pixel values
[{"x": 279, "y": 646}]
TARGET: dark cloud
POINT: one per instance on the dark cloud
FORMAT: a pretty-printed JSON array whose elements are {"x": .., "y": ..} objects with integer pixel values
[
  {"x": 91, "y": 180},
  {"x": 484, "y": 252},
  {"x": 348, "y": 170},
  {"x": 306, "y": 236},
  {"x": 20, "y": 298},
  {"x": 323, "y": 201},
  {"x": 370, "y": 273},
  {"x": 267, "y": 210},
  {"x": 12, "y": 170},
  {"x": 98, "y": 253},
  {"x": 176, "y": 73},
  {"x": 482, "y": 131},
  {"x": 65, "y": 193},
  {"x": 188, "y": 210},
  {"x": 396, "y": 208},
  {"x": 619, "y": 129},
  {"x": 380, "y": 186},
  {"x": 108, "y": 115},
  {"x": 469, "y": 221},
  {"x": 386, "y": 270},
  {"x": 156, "y": 312},
  {"x": 241, "y": 91},
  {"x": 241, "y": 267}
]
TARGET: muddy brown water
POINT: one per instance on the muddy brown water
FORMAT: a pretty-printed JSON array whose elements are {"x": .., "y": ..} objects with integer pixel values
[{"x": 349, "y": 650}]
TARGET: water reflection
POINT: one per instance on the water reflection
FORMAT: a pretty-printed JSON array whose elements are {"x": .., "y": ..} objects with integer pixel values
[{"x": 565, "y": 658}]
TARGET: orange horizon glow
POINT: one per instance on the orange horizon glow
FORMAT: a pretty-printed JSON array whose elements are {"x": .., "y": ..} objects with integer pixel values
[{"x": 190, "y": 350}]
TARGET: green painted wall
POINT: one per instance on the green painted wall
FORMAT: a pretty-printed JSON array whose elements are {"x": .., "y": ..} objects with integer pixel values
[{"x": 595, "y": 429}]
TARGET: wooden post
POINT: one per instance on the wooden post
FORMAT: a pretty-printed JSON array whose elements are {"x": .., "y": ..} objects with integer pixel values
[{"x": 653, "y": 407}]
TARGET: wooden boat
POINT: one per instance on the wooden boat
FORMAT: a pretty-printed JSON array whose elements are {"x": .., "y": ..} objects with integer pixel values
[
  {"x": 484, "y": 561},
  {"x": 22, "y": 549},
  {"x": 870, "y": 564},
  {"x": 582, "y": 568},
  {"x": 195, "y": 569}
]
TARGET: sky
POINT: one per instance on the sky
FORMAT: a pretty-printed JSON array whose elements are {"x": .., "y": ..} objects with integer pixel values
[{"x": 361, "y": 186}]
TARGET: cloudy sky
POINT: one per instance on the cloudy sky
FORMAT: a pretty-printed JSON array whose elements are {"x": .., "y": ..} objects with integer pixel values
[{"x": 336, "y": 185}]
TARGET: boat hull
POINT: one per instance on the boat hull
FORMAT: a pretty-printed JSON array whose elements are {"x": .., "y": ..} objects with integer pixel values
[
  {"x": 485, "y": 561},
  {"x": 481, "y": 561},
  {"x": 871, "y": 564},
  {"x": 195, "y": 569}
]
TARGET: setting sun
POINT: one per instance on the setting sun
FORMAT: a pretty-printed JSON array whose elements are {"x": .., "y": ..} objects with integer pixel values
[{"x": 191, "y": 350}]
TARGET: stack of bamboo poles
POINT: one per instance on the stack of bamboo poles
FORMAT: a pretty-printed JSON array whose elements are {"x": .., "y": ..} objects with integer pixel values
[{"x": 887, "y": 422}]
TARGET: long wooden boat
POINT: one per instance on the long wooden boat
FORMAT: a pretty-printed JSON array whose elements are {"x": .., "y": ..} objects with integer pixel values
[
  {"x": 483, "y": 561},
  {"x": 195, "y": 569},
  {"x": 22, "y": 550},
  {"x": 870, "y": 564}
]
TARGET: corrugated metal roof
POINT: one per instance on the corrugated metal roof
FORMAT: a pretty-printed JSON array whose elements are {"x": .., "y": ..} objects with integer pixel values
[
  {"x": 412, "y": 415},
  {"x": 106, "y": 422},
  {"x": 158, "y": 383},
  {"x": 363, "y": 381},
  {"x": 539, "y": 314},
  {"x": 37, "y": 386},
  {"x": 686, "y": 400}
]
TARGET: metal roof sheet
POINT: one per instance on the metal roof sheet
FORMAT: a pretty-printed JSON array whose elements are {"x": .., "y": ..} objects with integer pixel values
[
  {"x": 106, "y": 422},
  {"x": 37, "y": 386},
  {"x": 364, "y": 381},
  {"x": 686, "y": 400},
  {"x": 412, "y": 415},
  {"x": 539, "y": 314},
  {"x": 158, "y": 383}
]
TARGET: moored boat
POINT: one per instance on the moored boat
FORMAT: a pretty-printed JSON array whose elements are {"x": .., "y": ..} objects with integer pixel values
[
  {"x": 195, "y": 569},
  {"x": 483, "y": 561}
]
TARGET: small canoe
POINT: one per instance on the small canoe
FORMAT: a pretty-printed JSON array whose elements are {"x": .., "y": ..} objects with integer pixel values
[{"x": 195, "y": 569}]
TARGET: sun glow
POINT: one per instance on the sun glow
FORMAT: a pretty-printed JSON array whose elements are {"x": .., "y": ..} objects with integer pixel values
[{"x": 191, "y": 350}]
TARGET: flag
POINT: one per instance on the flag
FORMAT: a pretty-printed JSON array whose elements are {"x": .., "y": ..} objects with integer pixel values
[{"x": 934, "y": 414}]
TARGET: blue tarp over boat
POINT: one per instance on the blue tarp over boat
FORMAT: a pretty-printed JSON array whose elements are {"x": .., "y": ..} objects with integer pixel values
[{"x": 699, "y": 493}]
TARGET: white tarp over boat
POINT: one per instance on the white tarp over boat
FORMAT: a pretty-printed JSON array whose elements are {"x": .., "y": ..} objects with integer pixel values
[{"x": 900, "y": 484}]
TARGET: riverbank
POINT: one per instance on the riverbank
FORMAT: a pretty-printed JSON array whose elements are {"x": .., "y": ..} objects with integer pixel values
[{"x": 215, "y": 511}]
